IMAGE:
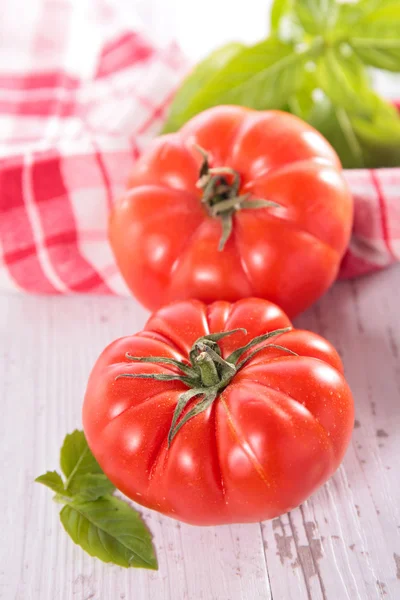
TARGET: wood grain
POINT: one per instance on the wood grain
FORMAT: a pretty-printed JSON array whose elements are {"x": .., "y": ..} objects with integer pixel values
[{"x": 342, "y": 544}]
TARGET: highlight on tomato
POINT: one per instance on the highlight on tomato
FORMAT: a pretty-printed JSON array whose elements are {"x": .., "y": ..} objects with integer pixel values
[
  {"x": 219, "y": 413},
  {"x": 238, "y": 203}
]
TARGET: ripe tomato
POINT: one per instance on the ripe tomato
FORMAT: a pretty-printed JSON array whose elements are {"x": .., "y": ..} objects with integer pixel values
[
  {"x": 219, "y": 439},
  {"x": 265, "y": 186}
]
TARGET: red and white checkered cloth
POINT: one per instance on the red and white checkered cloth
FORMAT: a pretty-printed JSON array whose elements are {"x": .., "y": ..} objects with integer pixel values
[
  {"x": 82, "y": 90},
  {"x": 375, "y": 241}
]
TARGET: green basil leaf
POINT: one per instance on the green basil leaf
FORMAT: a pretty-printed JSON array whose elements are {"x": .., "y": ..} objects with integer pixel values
[
  {"x": 259, "y": 77},
  {"x": 104, "y": 526},
  {"x": 380, "y": 13},
  {"x": 375, "y": 35},
  {"x": 91, "y": 486},
  {"x": 345, "y": 139},
  {"x": 343, "y": 79},
  {"x": 52, "y": 480},
  {"x": 313, "y": 106},
  {"x": 379, "y": 53},
  {"x": 303, "y": 102},
  {"x": 76, "y": 457},
  {"x": 286, "y": 23},
  {"x": 360, "y": 142},
  {"x": 365, "y": 12},
  {"x": 349, "y": 15},
  {"x": 335, "y": 124},
  {"x": 279, "y": 9},
  {"x": 380, "y": 139},
  {"x": 292, "y": 20},
  {"x": 317, "y": 16},
  {"x": 85, "y": 487},
  {"x": 200, "y": 75},
  {"x": 365, "y": 7},
  {"x": 380, "y": 24},
  {"x": 110, "y": 530}
]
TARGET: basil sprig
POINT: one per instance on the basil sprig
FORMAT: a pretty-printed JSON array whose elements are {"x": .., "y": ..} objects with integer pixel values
[
  {"x": 102, "y": 524},
  {"x": 315, "y": 64}
]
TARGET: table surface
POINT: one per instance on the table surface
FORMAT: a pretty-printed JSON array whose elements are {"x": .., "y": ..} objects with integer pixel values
[{"x": 343, "y": 543}]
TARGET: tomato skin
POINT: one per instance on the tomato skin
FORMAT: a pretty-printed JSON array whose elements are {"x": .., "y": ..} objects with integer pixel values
[
  {"x": 275, "y": 434},
  {"x": 166, "y": 244}
]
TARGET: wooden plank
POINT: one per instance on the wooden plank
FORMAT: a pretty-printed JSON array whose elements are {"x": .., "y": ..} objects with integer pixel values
[
  {"x": 359, "y": 530},
  {"x": 291, "y": 564},
  {"x": 225, "y": 562}
]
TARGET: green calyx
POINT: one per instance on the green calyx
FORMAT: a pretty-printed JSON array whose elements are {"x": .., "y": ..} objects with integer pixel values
[
  {"x": 207, "y": 374},
  {"x": 221, "y": 195}
]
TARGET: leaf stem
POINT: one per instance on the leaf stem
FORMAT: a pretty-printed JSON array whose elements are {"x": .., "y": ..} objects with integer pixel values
[
  {"x": 75, "y": 469},
  {"x": 348, "y": 132}
]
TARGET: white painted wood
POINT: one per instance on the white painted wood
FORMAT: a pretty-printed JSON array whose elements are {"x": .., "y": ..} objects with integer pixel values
[{"x": 342, "y": 544}]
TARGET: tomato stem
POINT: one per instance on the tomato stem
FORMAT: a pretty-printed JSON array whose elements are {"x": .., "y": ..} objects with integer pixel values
[
  {"x": 208, "y": 373},
  {"x": 221, "y": 186},
  {"x": 208, "y": 370}
]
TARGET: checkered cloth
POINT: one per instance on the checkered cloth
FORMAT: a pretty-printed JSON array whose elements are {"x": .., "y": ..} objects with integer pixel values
[
  {"x": 375, "y": 241},
  {"x": 82, "y": 90}
]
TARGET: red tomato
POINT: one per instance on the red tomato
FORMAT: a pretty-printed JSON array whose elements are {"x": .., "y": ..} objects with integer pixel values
[
  {"x": 275, "y": 428},
  {"x": 166, "y": 239}
]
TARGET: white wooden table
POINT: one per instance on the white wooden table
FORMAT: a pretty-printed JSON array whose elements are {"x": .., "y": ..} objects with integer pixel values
[{"x": 343, "y": 543}]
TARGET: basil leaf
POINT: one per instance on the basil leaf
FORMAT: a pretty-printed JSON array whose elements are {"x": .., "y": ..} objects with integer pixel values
[
  {"x": 380, "y": 140},
  {"x": 358, "y": 14},
  {"x": 91, "y": 486},
  {"x": 76, "y": 457},
  {"x": 104, "y": 526},
  {"x": 313, "y": 106},
  {"x": 259, "y": 77},
  {"x": 335, "y": 124},
  {"x": 317, "y": 16},
  {"x": 292, "y": 20},
  {"x": 279, "y": 9},
  {"x": 86, "y": 487},
  {"x": 110, "y": 530},
  {"x": 375, "y": 37},
  {"x": 196, "y": 79},
  {"x": 84, "y": 475},
  {"x": 360, "y": 142},
  {"x": 343, "y": 79},
  {"x": 380, "y": 13},
  {"x": 314, "y": 66},
  {"x": 345, "y": 140},
  {"x": 52, "y": 480},
  {"x": 365, "y": 7},
  {"x": 378, "y": 53},
  {"x": 349, "y": 15},
  {"x": 303, "y": 102}
]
